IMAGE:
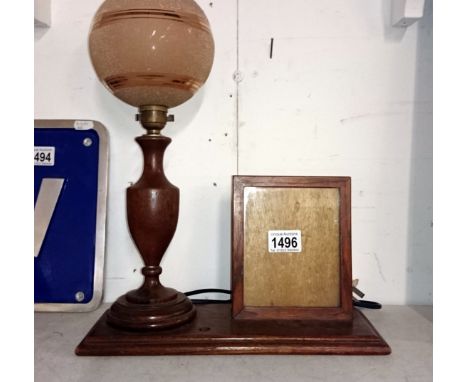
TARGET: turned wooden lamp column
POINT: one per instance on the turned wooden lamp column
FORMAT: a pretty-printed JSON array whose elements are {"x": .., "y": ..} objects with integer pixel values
[
  {"x": 152, "y": 214},
  {"x": 154, "y": 55}
]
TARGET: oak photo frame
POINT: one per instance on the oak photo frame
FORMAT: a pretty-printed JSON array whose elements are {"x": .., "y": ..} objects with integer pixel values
[{"x": 315, "y": 284}]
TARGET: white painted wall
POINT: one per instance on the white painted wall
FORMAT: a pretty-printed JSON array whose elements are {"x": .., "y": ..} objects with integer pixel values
[{"x": 344, "y": 94}]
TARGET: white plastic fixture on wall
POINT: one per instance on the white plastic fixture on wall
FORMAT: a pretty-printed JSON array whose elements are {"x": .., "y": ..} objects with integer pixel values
[
  {"x": 406, "y": 12},
  {"x": 42, "y": 13}
]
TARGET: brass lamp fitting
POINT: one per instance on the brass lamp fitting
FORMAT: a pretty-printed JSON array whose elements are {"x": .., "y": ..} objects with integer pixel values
[{"x": 153, "y": 118}]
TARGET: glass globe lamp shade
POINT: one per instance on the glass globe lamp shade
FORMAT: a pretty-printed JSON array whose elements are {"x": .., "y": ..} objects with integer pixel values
[{"x": 151, "y": 52}]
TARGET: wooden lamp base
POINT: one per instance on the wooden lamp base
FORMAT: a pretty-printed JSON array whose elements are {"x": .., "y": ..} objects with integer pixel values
[
  {"x": 213, "y": 331},
  {"x": 151, "y": 309}
]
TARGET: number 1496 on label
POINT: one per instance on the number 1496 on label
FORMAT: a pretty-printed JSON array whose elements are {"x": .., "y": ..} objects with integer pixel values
[{"x": 284, "y": 241}]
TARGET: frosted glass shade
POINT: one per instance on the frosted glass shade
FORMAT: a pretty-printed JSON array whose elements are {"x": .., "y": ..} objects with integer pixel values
[{"x": 151, "y": 52}]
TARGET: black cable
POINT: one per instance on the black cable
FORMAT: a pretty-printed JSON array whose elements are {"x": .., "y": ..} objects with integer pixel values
[
  {"x": 208, "y": 290},
  {"x": 359, "y": 303},
  {"x": 197, "y": 301},
  {"x": 367, "y": 304}
]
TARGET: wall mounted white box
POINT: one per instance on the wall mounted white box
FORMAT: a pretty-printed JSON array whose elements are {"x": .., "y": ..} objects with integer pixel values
[
  {"x": 42, "y": 13},
  {"x": 406, "y": 12}
]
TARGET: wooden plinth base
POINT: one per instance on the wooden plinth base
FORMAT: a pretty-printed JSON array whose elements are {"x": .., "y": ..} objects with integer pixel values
[{"x": 213, "y": 331}]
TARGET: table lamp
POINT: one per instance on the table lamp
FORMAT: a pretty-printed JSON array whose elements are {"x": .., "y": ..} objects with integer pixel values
[{"x": 154, "y": 55}]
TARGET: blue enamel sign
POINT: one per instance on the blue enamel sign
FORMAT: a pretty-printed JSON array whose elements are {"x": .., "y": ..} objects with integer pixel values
[{"x": 70, "y": 176}]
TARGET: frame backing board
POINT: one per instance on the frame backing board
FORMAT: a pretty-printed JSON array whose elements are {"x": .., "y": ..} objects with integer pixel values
[
  {"x": 308, "y": 278},
  {"x": 314, "y": 283}
]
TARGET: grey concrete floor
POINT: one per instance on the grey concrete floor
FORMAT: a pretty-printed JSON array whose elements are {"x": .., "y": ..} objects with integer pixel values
[{"x": 407, "y": 329}]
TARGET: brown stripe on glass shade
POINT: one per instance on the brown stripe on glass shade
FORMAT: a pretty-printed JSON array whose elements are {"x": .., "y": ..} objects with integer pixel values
[
  {"x": 186, "y": 18},
  {"x": 161, "y": 79}
]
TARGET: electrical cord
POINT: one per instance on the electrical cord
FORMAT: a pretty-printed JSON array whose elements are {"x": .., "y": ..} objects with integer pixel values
[
  {"x": 207, "y": 301},
  {"x": 359, "y": 303},
  {"x": 367, "y": 304}
]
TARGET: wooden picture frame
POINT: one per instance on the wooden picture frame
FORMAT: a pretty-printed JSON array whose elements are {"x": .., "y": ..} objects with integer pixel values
[{"x": 268, "y": 286}]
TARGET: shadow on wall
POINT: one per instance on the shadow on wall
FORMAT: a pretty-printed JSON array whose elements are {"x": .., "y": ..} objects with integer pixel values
[
  {"x": 39, "y": 32},
  {"x": 224, "y": 250},
  {"x": 185, "y": 113},
  {"x": 419, "y": 250},
  {"x": 391, "y": 33}
]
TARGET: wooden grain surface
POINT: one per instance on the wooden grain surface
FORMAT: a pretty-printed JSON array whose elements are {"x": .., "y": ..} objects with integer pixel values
[
  {"x": 310, "y": 278},
  {"x": 213, "y": 331}
]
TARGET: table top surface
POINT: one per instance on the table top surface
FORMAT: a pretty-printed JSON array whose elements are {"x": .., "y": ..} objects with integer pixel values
[{"x": 407, "y": 329}]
